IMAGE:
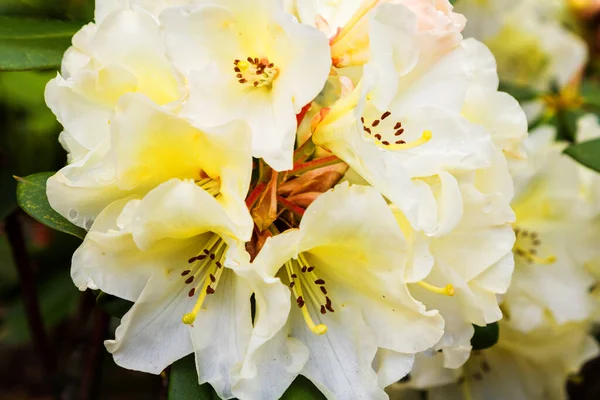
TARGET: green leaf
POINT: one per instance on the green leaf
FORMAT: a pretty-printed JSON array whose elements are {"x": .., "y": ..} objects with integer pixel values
[
  {"x": 485, "y": 336},
  {"x": 183, "y": 382},
  {"x": 27, "y": 44},
  {"x": 590, "y": 91},
  {"x": 519, "y": 92},
  {"x": 114, "y": 306},
  {"x": 31, "y": 196},
  {"x": 586, "y": 153}
]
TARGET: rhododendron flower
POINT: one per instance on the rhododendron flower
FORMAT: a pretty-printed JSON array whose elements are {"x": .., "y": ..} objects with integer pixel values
[
  {"x": 248, "y": 60},
  {"x": 344, "y": 267},
  {"x": 183, "y": 266},
  {"x": 532, "y": 365}
]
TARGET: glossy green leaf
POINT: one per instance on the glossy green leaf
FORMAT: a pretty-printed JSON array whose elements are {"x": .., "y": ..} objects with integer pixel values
[
  {"x": 590, "y": 91},
  {"x": 586, "y": 153},
  {"x": 183, "y": 382},
  {"x": 114, "y": 306},
  {"x": 485, "y": 336},
  {"x": 27, "y": 44},
  {"x": 31, "y": 196}
]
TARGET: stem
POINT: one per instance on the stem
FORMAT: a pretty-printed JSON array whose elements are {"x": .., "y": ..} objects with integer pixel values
[
  {"x": 14, "y": 233},
  {"x": 255, "y": 194},
  {"x": 296, "y": 210},
  {"x": 93, "y": 363},
  {"x": 314, "y": 164},
  {"x": 302, "y": 153}
]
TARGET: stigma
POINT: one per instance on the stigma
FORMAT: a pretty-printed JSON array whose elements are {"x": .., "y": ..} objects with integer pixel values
[
  {"x": 203, "y": 274},
  {"x": 308, "y": 287},
  {"x": 388, "y": 134},
  {"x": 254, "y": 72},
  {"x": 447, "y": 290},
  {"x": 526, "y": 247}
]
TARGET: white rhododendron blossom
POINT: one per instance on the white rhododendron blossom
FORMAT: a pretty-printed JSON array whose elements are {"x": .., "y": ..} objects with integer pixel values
[
  {"x": 532, "y": 366},
  {"x": 526, "y": 36},
  {"x": 550, "y": 306},
  {"x": 248, "y": 60},
  {"x": 284, "y": 188}
]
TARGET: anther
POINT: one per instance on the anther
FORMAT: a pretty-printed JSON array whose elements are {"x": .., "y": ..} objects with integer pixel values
[
  {"x": 398, "y": 125},
  {"x": 191, "y": 292},
  {"x": 385, "y": 115},
  {"x": 447, "y": 290},
  {"x": 399, "y": 132},
  {"x": 209, "y": 290},
  {"x": 375, "y": 123},
  {"x": 323, "y": 289},
  {"x": 311, "y": 269},
  {"x": 189, "y": 280},
  {"x": 323, "y": 311},
  {"x": 184, "y": 273},
  {"x": 212, "y": 278},
  {"x": 320, "y": 282}
]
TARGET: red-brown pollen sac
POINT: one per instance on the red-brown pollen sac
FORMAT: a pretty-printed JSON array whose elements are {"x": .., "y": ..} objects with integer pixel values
[
  {"x": 307, "y": 286},
  {"x": 386, "y": 134},
  {"x": 255, "y": 72},
  {"x": 205, "y": 272}
]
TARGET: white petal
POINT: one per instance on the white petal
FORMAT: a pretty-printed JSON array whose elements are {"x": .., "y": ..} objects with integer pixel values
[
  {"x": 180, "y": 210},
  {"x": 339, "y": 363},
  {"x": 151, "y": 335},
  {"x": 221, "y": 332}
]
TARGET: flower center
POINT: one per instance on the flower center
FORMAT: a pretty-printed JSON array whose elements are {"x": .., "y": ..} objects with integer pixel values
[
  {"x": 204, "y": 273},
  {"x": 254, "y": 72},
  {"x": 308, "y": 287},
  {"x": 387, "y": 133},
  {"x": 526, "y": 247},
  {"x": 521, "y": 57}
]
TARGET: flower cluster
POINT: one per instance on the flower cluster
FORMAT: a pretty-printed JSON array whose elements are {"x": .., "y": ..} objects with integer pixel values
[
  {"x": 550, "y": 306},
  {"x": 289, "y": 188}
]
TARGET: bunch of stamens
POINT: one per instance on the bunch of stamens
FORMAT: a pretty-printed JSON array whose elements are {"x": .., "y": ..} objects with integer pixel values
[{"x": 210, "y": 264}]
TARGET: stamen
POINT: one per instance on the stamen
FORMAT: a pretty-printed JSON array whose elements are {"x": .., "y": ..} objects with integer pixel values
[
  {"x": 210, "y": 185},
  {"x": 526, "y": 247},
  {"x": 448, "y": 290},
  {"x": 254, "y": 72},
  {"x": 401, "y": 144},
  {"x": 215, "y": 248},
  {"x": 300, "y": 282}
]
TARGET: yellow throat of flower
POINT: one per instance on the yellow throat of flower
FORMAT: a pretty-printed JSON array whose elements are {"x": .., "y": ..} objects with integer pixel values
[
  {"x": 520, "y": 56},
  {"x": 526, "y": 247},
  {"x": 254, "y": 72}
]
